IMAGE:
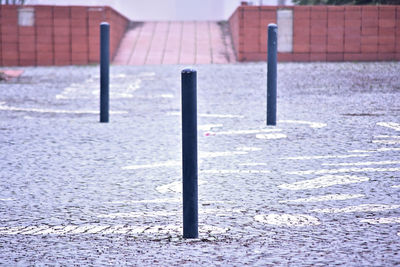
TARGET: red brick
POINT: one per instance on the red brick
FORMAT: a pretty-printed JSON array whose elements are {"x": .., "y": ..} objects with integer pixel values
[
  {"x": 62, "y": 31},
  {"x": 10, "y": 62},
  {"x": 79, "y": 31},
  {"x": 26, "y": 40},
  {"x": 78, "y": 12},
  {"x": 369, "y": 23},
  {"x": 301, "y": 25},
  {"x": 251, "y": 40},
  {"x": 58, "y": 22},
  {"x": 254, "y": 57},
  {"x": 11, "y": 39},
  {"x": 251, "y": 18},
  {"x": 370, "y": 11},
  {"x": 387, "y": 23},
  {"x": 44, "y": 47},
  {"x": 352, "y": 23},
  {"x": 44, "y": 22},
  {"x": 61, "y": 39},
  {"x": 352, "y": 46},
  {"x": 386, "y": 40},
  {"x": 301, "y": 12},
  {"x": 335, "y": 47},
  {"x": 301, "y": 47},
  {"x": 352, "y": 32},
  {"x": 319, "y": 13},
  {"x": 44, "y": 30},
  {"x": 78, "y": 23},
  {"x": 44, "y": 39},
  {"x": 318, "y": 28},
  {"x": 318, "y": 44},
  {"x": 369, "y": 48},
  {"x": 61, "y": 12},
  {"x": 352, "y": 12},
  {"x": 62, "y": 48},
  {"x": 27, "y": 62},
  {"x": 95, "y": 57},
  {"x": 388, "y": 12},
  {"x": 9, "y": 21},
  {"x": 369, "y": 39},
  {"x": 384, "y": 48},
  {"x": 366, "y": 31},
  {"x": 62, "y": 58},
  {"x": 285, "y": 57},
  {"x": 317, "y": 57},
  {"x": 27, "y": 55},
  {"x": 44, "y": 59},
  {"x": 301, "y": 57},
  {"x": 397, "y": 56},
  {"x": 387, "y": 31},
  {"x": 96, "y": 14},
  {"x": 387, "y": 56},
  {"x": 9, "y": 30},
  {"x": 79, "y": 58},
  {"x": 9, "y": 11},
  {"x": 79, "y": 47},
  {"x": 43, "y": 12},
  {"x": 334, "y": 57}
]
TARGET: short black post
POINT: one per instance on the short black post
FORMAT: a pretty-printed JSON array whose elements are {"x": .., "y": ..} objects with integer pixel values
[
  {"x": 189, "y": 153},
  {"x": 272, "y": 73},
  {"x": 104, "y": 70}
]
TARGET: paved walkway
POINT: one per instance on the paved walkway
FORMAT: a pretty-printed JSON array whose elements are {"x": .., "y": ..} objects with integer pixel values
[{"x": 203, "y": 42}]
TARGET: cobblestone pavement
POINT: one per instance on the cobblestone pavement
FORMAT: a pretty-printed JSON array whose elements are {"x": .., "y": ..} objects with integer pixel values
[{"x": 320, "y": 188}]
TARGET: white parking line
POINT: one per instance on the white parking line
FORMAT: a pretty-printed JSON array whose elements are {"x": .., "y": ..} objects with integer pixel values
[
  {"x": 271, "y": 136},
  {"x": 388, "y": 162},
  {"x": 59, "y": 111},
  {"x": 349, "y": 170},
  {"x": 237, "y": 132},
  {"x": 330, "y": 197},
  {"x": 392, "y": 125},
  {"x": 382, "y": 149},
  {"x": 359, "y": 208},
  {"x": 326, "y": 157},
  {"x": 387, "y": 220},
  {"x": 309, "y": 123},
  {"x": 290, "y": 220},
  {"x": 324, "y": 181},
  {"x": 234, "y": 171}
]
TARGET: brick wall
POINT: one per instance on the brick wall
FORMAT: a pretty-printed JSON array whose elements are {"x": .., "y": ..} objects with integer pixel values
[
  {"x": 60, "y": 35},
  {"x": 321, "y": 33}
]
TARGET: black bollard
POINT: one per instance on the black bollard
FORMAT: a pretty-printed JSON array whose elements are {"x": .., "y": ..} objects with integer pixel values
[
  {"x": 189, "y": 153},
  {"x": 104, "y": 70},
  {"x": 272, "y": 73}
]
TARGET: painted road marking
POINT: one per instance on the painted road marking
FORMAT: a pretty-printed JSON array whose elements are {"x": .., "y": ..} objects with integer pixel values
[
  {"x": 168, "y": 163},
  {"x": 388, "y": 220},
  {"x": 382, "y": 149},
  {"x": 388, "y": 162},
  {"x": 387, "y": 136},
  {"x": 386, "y": 142},
  {"x": 309, "y": 123},
  {"x": 329, "y": 197},
  {"x": 236, "y": 132},
  {"x": 6, "y": 199},
  {"x": 395, "y": 186},
  {"x": 359, "y": 208},
  {"x": 157, "y": 200},
  {"x": 324, "y": 181},
  {"x": 291, "y": 220},
  {"x": 392, "y": 125},
  {"x": 271, "y": 136},
  {"x": 331, "y": 171},
  {"x": 59, "y": 111},
  {"x": 326, "y": 157}
]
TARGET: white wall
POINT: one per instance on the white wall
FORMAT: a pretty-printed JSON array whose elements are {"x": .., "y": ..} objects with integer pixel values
[{"x": 155, "y": 10}]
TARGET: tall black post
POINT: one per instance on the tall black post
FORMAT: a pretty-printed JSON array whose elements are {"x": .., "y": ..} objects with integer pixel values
[
  {"x": 104, "y": 70},
  {"x": 189, "y": 153},
  {"x": 272, "y": 73}
]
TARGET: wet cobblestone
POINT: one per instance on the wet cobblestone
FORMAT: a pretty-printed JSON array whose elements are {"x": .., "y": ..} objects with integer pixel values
[{"x": 320, "y": 188}]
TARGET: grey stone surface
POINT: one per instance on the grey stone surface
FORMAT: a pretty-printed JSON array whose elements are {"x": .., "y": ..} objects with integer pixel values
[{"x": 320, "y": 188}]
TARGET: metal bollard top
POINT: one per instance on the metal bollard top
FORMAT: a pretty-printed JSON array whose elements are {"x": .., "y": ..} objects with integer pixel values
[
  {"x": 104, "y": 23},
  {"x": 272, "y": 25},
  {"x": 188, "y": 71}
]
